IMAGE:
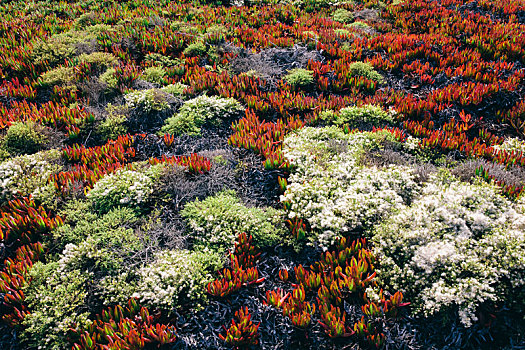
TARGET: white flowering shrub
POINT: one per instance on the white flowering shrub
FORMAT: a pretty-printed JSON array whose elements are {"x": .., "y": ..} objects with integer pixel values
[
  {"x": 195, "y": 112},
  {"x": 368, "y": 114},
  {"x": 29, "y": 175},
  {"x": 217, "y": 221},
  {"x": 124, "y": 187},
  {"x": 332, "y": 191},
  {"x": 511, "y": 144},
  {"x": 176, "y": 274},
  {"x": 454, "y": 248}
]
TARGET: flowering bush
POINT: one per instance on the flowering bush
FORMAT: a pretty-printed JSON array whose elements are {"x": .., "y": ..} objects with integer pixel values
[
  {"x": 454, "y": 248},
  {"x": 218, "y": 220},
  {"x": 28, "y": 175},
  {"x": 176, "y": 274},
  {"x": 125, "y": 187},
  {"x": 332, "y": 191},
  {"x": 196, "y": 112},
  {"x": 512, "y": 144}
]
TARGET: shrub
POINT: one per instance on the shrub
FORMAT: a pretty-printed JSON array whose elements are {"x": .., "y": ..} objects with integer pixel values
[
  {"x": 175, "y": 89},
  {"x": 98, "y": 59},
  {"x": 366, "y": 115},
  {"x": 154, "y": 74},
  {"x": 217, "y": 221},
  {"x": 195, "y": 49},
  {"x": 56, "y": 300},
  {"x": 115, "y": 123},
  {"x": 112, "y": 228},
  {"x": 29, "y": 175},
  {"x": 175, "y": 275},
  {"x": 342, "y": 15},
  {"x": 58, "y": 76},
  {"x": 299, "y": 77},
  {"x": 109, "y": 77},
  {"x": 458, "y": 246},
  {"x": 332, "y": 191},
  {"x": 365, "y": 70},
  {"x": 24, "y": 138},
  {"x": 196, "y": 112},
  {"x": 511, "y": 144},
  {"x": 150, "y": 100},
  {"x": 158, "y": 60},
  {"x": 359, "y": 25},
  {"x": 124, "y": 187}
]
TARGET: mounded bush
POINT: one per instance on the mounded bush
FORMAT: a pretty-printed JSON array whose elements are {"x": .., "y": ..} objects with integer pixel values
[
  {"x": 29, "y": 175},
  {"x": 203, "y": 109},
  {"x": 176, "y": 275},
  {"x": 124, "y": 187},
  {"x": 332, "y": 191},
  {"x": 195, "y": 49},
  {"x": 154, "y": 74},
  {"x": 342, "y": 15},
  {"x": 455, "y": 248},
  {"x": 360, "y": 116},
  {"x": 24, "y": 138},
  {"x": 216, "y": 222},
  {"x": 299, "y": 78},
  {"x": 158, "y": 60},
  {"x": 114, "y": 124},
  {"x": 150, "y": 100},
  {"x": 366, "y": 70}
]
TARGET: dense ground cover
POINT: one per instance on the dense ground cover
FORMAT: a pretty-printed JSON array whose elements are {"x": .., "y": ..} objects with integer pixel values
[{"x": 276, "y": 175}]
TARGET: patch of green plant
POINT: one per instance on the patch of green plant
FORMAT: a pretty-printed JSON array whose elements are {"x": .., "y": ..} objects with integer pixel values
[
  {"x": 158, "y": 60},
  {"x": 195, "y": 49},
  {"x": 366, "y": 70},
  {"x": 342, "y": 15},
  {"x": 154, "y": 74},
  {"x": 355, "y": 116},
  {"x": 114, "y": 124},
  {"x": 24, "y": 138},
  {"x": 299, "y": 78},
  {"x": 196, "y": 112},
  {"x": 216, "y": 222},
  {"x": 175, "y": 89}
]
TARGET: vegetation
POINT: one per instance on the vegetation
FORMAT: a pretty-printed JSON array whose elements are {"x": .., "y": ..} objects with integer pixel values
[{"x": 262, "y": 174}]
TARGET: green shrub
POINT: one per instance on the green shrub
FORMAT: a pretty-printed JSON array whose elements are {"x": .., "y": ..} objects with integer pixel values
[
  {"x": 56, "y": 299},
  {"x": 29, "y": 175},
  {"x": 175, "y": 89},
  {"x": 109, "y": 78},
  {"x": 154, "y": 74},
  {"x": 156, "y": 60},
  {"x": 80, "y": 222},
  {"x": 200, "y": 110},
  {"x": 98, "y": 59},
  {"x": 195, "y": 49},
  {"x": 366, "y": 70},
  {"x": 299, "y": 77},
  {"x": 115, "y": 123},
  {"x": 130, "y": 188},
  {"x": 150, "y": 100},
  {"x": 24, "y": 138},
  {"x": 359, "y": 25},
  {"x": 342, "y": 15},
  {"x": 176, "y": 275},
  {"x": 366, "y": 115},
  {"x": 218, "y": 220},
  {"x": 58, "y": 76}
]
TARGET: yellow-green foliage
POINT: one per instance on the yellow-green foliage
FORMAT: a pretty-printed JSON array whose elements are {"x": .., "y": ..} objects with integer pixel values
[
  {"x": 115, "y": 123},
  {"x": 299, "y": 77},
  {"x": 365, "y": 70},
  {"x": 195, "y": 49},
  {"x": 154, "y": 74},
  {"x": 58, "y": 76},
  {"x": 156, "y": 60},
  {"x": 109, "y": 78},
  {"x": 24, "y": 138},
  {"x": 343, "y": 16}
]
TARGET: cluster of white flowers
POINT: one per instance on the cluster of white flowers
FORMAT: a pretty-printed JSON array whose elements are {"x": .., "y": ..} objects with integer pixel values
[
  {"x": 175, "y": 274},
  {"x": 124, "y": 188},
  {"x": 149, "y": 100},
  {"x": 211, "y": 107},
  {"x": 332, "y": 191},
  {"x": 28, "y": 175},
  {"x": 451, "y": 248},
  {"x": 511, "y": 144}
]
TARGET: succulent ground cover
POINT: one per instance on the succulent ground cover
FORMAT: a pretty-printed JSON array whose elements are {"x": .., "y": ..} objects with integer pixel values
[{"x": 305, "y": 174}]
